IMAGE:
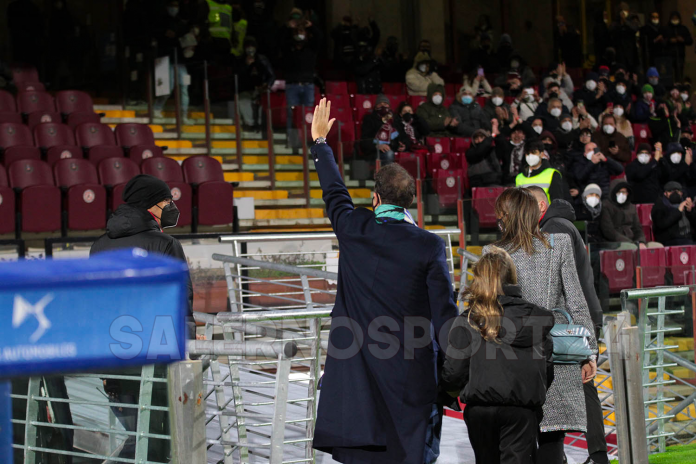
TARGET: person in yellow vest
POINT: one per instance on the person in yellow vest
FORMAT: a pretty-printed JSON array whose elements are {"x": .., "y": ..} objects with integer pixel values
[
  {"x": 538, "y": 171},
  {"x": 220, "y": 30},
  {"x": 239, "y": 30}
]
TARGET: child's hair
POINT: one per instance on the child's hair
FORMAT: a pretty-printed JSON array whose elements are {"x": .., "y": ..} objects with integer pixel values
[{"x": 491, "y": 272}]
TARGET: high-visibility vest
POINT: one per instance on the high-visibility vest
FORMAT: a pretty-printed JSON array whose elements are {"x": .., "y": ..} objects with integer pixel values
[
  {"x": 220, "y": 20},
  {"x": 543, "y": 180}
]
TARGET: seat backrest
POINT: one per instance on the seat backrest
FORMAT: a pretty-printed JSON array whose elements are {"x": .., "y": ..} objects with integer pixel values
[
  {"x": 20, "y": 152},
  {"x": 10, "y": 116},
  {"x": 91, "y": 134},
  {"x": 438, "y": 144},
  {"x": 645, "y": 213},
  {"x": 130, "y": 135},
  {"x": 163, "y": 168},
  {"x": 57, "y": 153},
  {"x": 449, "y": 185},
  {"x": 415, "y": 101},
  {"x": 139, "y": 153},
  {"x": 414, "y": 163},
  {"x": 461, "y": 144},
  {"x": 394, "y": 88},
  {"x": 336, "y": 87},
  {"x": 114, "y": 171},
  {"x": 15, "y": 134},
  {"x": 22, "y": 73},
  {"x": 483, "y": 202},
  {"x": 199, "y": 169},
  {"x": 71, "y": 101},
  {"x": 30, "y": 87},
  {"x": 81, "y": 117},
  {"x": 28, "y": 102},
  {"x": 101, "y": 152},
  {"x": 619, "y": 268},
  {"x": 444, "y": 161},
  {"x": 653, "y": 262},
  {"x": 340, "y": 101},
  {"x": 7, "y": 101},
  {"x": 27, "y": 173},
  {"x": 50, "y": 134},
  {"x": 3, "y": 177},
  {"x": 41, "y": 117},
  {"x": 681, "y": 260},
  {"x": 74, "y": 171},
  {"x": 395, "y": 101},
  {"x": 642, "y": 133}
]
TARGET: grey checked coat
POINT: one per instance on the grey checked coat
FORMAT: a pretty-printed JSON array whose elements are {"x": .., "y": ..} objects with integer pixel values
[{"x": 555, "y": 268}]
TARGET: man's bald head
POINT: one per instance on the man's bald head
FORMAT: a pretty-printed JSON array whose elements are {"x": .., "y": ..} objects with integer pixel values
[{"x": 541, "y": 198}]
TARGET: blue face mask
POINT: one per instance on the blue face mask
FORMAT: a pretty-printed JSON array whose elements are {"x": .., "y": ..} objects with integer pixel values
[{"x": 467, "y": 100}]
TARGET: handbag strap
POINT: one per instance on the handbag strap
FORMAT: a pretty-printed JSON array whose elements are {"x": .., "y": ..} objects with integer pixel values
[{"x": 564, "y": 313}]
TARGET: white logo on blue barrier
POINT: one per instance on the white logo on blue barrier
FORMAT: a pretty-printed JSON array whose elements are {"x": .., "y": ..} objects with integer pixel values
[{"x": 23, "y": 309}]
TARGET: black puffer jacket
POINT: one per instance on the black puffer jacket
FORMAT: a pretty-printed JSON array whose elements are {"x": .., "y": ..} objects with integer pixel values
[
  {"x": 619, "y": 223},
  {"x": 517, "y": 371},
  {"x": 586, "y": 172},
  {"x": 644, "y": 180},
  {"x": 559, "y": 219},
  {"x": 484, "y": 165}
]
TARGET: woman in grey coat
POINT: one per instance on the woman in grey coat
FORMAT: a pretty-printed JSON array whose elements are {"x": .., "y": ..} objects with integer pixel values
[{"x": 548, "y": 277}]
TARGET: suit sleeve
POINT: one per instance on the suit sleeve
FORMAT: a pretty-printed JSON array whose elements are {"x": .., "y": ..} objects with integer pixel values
[
  {"x": 443, "y": 309},
  {"x": 339, "y": 204},
  {"x": 455, "y": 372}
]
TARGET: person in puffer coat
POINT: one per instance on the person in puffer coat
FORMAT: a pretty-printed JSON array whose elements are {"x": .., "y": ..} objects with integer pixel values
[
  {"x": 434, "y": 113},
  {"x": 484, "y": 166},
  {"x": 469, "y": 114},
  {"x": 620, "y": 222}
]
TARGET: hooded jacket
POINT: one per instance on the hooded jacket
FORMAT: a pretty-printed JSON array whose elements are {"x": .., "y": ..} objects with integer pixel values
[
  {"x": 434, "y": 115},
  {"x": 471, "y": 117},
  {"x": 603, "y": 140},
  {"x": 619, "y": 223},
  {"x": 416, "y": 82},
  {"x": 559, "y": 219},
  {"x": 515, "y": 371},
  {"x": 671, "y": 226},
  {"x": 484, "y": 166},
  {"x": 673, "y": 172},
  {"x": 586, "y": 172},
  {"x": 677, "y": 49},
  {"x": 644, "y": 180}
]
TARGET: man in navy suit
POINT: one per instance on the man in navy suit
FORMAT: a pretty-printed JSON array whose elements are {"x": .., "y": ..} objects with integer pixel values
[{"x": 394, "y": 297}]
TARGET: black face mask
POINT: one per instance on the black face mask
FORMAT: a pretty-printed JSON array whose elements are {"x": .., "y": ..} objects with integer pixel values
[
  {"x": 407, "y": 117},
  {"x": 170, "y": 216},
  {"x": 675, "y": 198},
  {"x": 383, "y": 111}
]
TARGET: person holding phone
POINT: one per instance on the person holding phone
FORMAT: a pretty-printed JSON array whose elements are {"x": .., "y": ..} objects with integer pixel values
[
  {"x": 527, "y": 103},
  {"x": 610, "y": 141}
]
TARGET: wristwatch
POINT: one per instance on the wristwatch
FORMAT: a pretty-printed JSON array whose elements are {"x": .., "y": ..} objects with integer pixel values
[
  {"x": 320, "y": 140},
  {"x": 592, "y": 357}
]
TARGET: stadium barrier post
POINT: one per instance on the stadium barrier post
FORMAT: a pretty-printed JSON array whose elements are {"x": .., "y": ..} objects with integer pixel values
[
  {"x": 187, "y": 411},
  {"x": 634, "y": 394},
  {"x": 613, "y": 331},
  {"x": 206, "y": 105},
  {"x": 237, "y": 123},
  {"x": 269, "y": 137}
]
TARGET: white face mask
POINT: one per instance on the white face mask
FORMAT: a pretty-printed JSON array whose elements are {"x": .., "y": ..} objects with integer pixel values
[
  {"x": 675, "y": 22},
  {"x": 589, "y": 155},
  {"x": 422, "y": 68},
  {"x": 567, "y": 126},
  {"x": 532, "y": 160},
  {"x": 592, "y": 201},
  {"x": 497, "y": 101},
  {"x": 675, "y": 158},
  {"x": 516, "y": 144},
  {"x": 591, "y": 85},
  {"x": 621, "y": 198},
  {"x": 538, "y": 129},
  {"x": 644, "y": 158},
  {"x": 621, "y": 89},
  {"x": 437, "y": 99},
  {"x": 555, "y": 112},
  {"x": 609, "y": 129},
  {"x": 685, "y": 96},
  {"x": 300, "y": 37},
  {"x": 515, "y": 64},
  {"x": 618, "y": 111},
  {"x": 656, "y": 22}
]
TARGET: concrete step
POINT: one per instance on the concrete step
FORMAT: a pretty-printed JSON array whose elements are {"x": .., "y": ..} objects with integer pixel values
[
  {"x": 257, "y": 223},
  {"x": 315, "y": 184},
  {"x": 280, "y": 203},
  {"x": 262, "y": 194},
  {"x": 290, "y": 213},
  {"x": 254, "y": 184}
]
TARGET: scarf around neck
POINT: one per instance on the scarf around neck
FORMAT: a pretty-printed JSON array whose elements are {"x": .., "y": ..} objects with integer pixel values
[{"x": 387, "y": 214}]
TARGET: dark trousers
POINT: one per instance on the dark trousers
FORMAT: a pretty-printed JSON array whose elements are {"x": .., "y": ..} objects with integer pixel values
[
  {"x": 502, "y": 434},
  {"x": 596, "y": 441},
  {"x": 551, "y": 448}
]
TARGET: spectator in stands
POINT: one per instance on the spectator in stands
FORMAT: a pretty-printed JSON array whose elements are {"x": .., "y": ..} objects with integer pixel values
[
  {"x": 516, "y": 65},
  {"x": 484, "y": 166},
  {"x": 477, "y": 84},
  {"x": 435, "y": 114},
  {"x": 584, "y": 137},
  {"x": 379, "y": 134},
  {"x": 677, "y": 37},
  {"x": 345, "y": 37},
  {"x": 653, "y": 78},
  {"x": 620, "y": 94},
  {"x": 644, "y": 108},
  {"x": 623, "y": 35},
  {"x": 567, "y": 43},
  {"x": 513, "y": 86},
  {"x": 484, "y": 56},
  {"x": 623, "y": 125},
  {"x": 679, "y": 107},
  {"x": 588, "y": 208},
  {"x": 538, "y": 171},
  {"x": 652, "y": 39},
  {"x": 368, "y": 69},
  {"x": 554, "y": 90},
  {"x": 620, "y": 222},
  {"x": 611, "y": 142},
  {"x": 564, "y": 134},
  {"x": 255, "y": 78},
  {"x": 686, "y": 140},
  {"x": 537, "y": 125},
  {"x": 502, "y": 420},
  {"x": 643, "y": 174},
  {"x": 592, "y": 95},
  {"x": 419, "y": 78},
  {"x": 559, "y": 73},
  {"x": 581, "y": 118},
  {"x": 550, "y": 144},
  {"x": 674, "y": 217},
  {"x": 552, "y": 115},
  {"x": 262, "y": 26},
  {"x": 664, "y": 125},
  {"x": 511, "y": 152},
  {"x": 496, "y": 107},
  {"x": 394, "y": 63},
  {"x": 468, "y": 114},
  {"x": 505, "y": 50},
  {"x": 412, "y": 129},
  {"x": 675, "y": 165},
  {"x": 527, "y": 103},
  {"x": 595, "y": 168}
]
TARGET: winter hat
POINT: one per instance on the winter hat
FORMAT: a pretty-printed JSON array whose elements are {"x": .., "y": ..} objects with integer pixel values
[
  {"x": 592, "y": 76},
  {"x": 644, "y": 147},
  {"x": 145, "y": 191},
  {"x": 381, "y": 98},
  {"x": 590, "y": 189},
  {"x": 505, "y": 38},
  {"x": 674, "y": 147},
  {"x": 652, "y": 72},
  {"x": 604, "y": 70},
  {"x": 565, "y": 116},
  {"x": 672, "y": 185},
  {"x": 647, "y": 88}
]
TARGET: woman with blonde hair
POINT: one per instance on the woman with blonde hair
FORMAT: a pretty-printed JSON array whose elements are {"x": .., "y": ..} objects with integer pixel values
[
  {"x": 547, "y": 277},
  {"x": 499, "y": 363}
]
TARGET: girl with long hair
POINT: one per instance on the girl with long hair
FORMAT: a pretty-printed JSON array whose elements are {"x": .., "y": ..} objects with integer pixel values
[
  {"x": 499, "y": 363},
  {"x": 547, "y": 276}
]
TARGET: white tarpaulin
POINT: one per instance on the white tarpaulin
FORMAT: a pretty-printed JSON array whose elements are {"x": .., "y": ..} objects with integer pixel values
[{"x": 162, "y": 77}]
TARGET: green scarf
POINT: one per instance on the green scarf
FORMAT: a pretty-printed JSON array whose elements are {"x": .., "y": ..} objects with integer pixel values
[{"x": 385, "y": 214}]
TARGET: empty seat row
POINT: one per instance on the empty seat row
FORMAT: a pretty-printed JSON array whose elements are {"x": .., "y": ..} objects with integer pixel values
[{"x": 30, "y": 101}]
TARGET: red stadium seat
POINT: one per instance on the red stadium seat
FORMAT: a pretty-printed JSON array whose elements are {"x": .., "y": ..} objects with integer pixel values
[
  {"x": 84, "y": 200},
  {"x": 77, "y": 118},
  {"x": 645, "y": 218},
  {"x": 448, "y": 185},
  {"x": 483, "y": 204},
  {"x": 101, "y": 152},
  {"x": 438, "y": 144},
  {"x": 345, "y": 115},
  {"x": 50, "y": 135},
  {"x": 619, "y": 269},
  {"x": 642, "y": 133},
  {"x": 450, "y": 89},
  {"x": 39, "y": 199},
  {"x": 352, "y": 87},
  {"x": 681, "y": 261},
  {"x": 19, "y": 153},
  {"x": 57, "y": 153},
  {"x": 460, "y": 144},
  {"x": 7, "y": 204},
  {"x": 336, "y": 87},
  {"x": 303, "y": 121},
  {"x": 213, "y": 197},
  {"x": 653, "y": 263},
  {"x": 169, "y": 171},
  {"x": 444, "y": 161},
  {"x": 143, "y": 152},
  {"x": 114, "y": 174},
  {"x": 41, "y": 117},
  {"x": 130, "y": 135},
  {"x": 28, "y": 102},
  {"x": 12, "y": 135},
  {"x": 395, "y": 101},
  {"x": 394, "y": 88},
  {"x": 347, "y": 131},
  {"x": 72, "y": 101},
  {"x": 278, "y": 109},
  {"x": 90, "y": 135},
  {"x": 22, "y": 73},
  {"x": 449, "y": 99},
  {"x": 364, "y": 104},
  {"x": 30, "y": 87},
  {"x": 416, "y": 101},
  {"x": 11, "y": 117},
  {"x": 481, "y": 101},
  {"x": 340, "y": 101},
  {"x": 7, "y": 102},
  {"x": 414, "y": 163}
]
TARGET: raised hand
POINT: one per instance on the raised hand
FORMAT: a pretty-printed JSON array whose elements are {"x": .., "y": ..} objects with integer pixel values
[{"x": 321, "y": 124}]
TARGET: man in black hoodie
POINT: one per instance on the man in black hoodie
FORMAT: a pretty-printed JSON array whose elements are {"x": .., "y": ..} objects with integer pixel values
[
  {"x": 674, "y": 217},
  {"x": 620, "y": 223},
  {"x": 558, "y": 218},
  {"x": 643, "y": 175}
]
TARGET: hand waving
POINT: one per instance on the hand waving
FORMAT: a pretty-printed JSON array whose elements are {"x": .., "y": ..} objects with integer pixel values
[{"x": 321, "y": 125}]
